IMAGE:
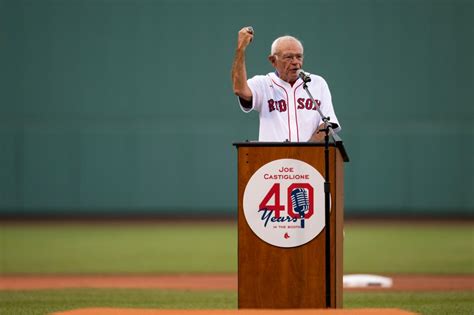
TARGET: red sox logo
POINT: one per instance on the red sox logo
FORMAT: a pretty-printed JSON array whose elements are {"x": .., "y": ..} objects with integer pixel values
[{"x": 303, "y": 103}]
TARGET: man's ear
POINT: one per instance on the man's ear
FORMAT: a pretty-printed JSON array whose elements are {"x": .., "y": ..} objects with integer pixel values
[{"x": 272, "y": 59}]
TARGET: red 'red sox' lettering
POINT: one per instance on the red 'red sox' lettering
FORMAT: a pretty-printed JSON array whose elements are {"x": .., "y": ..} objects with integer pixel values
[
  {"x": 307, "y": 104},
  {"x": 277, "y": 105},
  {"x": 281, "y": 106},
  {"x": 271, "y": 105}
]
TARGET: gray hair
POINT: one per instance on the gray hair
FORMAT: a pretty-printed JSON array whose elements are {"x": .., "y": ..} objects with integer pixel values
[{"x": 277, "y": 42}]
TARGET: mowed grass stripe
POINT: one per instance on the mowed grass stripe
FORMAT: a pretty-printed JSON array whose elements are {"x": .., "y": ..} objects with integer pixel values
[
  {"x": 38, "y": 302},
  {"x": 134, "y": 248},
  {"x": 212, "y": 248},
  {"x": 409, "y": 248}
]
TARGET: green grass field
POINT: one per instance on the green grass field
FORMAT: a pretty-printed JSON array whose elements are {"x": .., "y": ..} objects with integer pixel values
[
  {"x": 47, "y": 301},
  {"x": 204, "y": 248},
  {"x": 212, "y": 248}
]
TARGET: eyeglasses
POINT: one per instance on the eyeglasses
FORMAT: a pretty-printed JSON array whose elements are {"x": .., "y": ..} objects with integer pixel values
[{"x": 289, "y": 57}]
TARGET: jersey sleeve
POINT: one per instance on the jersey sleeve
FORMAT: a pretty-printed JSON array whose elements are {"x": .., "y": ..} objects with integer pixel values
[
  {"x": 327, "y": 107},
  {"x": 256, "y": 85}
]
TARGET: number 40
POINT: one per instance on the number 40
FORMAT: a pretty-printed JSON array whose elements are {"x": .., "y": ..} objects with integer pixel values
[{"x": 277, "y": 207}]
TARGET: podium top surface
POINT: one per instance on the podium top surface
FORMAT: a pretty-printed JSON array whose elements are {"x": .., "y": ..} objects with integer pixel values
[
  {"x": 338, "y": 145},
  {"x": 279, "y": 144}
]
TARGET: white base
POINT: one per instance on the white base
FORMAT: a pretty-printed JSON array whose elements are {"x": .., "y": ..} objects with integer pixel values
[{"x": 366, "y": 281}]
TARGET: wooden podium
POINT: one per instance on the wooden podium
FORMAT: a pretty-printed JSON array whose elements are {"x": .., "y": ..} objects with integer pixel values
[{"x": 278, "y": 277}]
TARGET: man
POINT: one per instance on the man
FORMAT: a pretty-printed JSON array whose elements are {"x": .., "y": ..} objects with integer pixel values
[{"x": 286, "y": 111}]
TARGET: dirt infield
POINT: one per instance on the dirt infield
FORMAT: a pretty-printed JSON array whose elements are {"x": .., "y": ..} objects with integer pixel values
[
  {"x": 122, "y": 311},
  {"x": 216, "y": 282},
  {"x": 211, "y": 282}
]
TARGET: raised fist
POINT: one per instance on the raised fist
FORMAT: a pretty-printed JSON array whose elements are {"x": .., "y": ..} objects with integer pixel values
[{"x": 245, "y": 37}]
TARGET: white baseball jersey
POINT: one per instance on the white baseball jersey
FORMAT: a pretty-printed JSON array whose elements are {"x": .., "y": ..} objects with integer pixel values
[{"x": 287, "y": 112}]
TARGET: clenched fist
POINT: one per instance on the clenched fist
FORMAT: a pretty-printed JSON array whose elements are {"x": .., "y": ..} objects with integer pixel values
[{"x": 245, "y": 37}]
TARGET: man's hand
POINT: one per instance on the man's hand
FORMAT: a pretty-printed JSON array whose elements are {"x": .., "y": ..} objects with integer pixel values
[
  {"x": 245, "y": 37},
  {"x": 318, "y": 135}
]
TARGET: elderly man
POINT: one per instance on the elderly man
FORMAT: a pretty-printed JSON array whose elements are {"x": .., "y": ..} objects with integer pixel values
[{"x": 285, "y": 109}]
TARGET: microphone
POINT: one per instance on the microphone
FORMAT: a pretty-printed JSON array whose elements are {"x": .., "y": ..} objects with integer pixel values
[
  {"x": 300, "y": 203},
  {"x": 305, "y": 76}
]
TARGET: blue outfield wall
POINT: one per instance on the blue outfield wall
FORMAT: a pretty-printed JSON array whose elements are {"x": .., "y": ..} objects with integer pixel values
[{"x": 126, "y": 107}]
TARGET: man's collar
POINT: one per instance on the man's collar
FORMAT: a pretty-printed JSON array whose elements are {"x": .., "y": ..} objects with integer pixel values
[{"x": 283, "y": 82}]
